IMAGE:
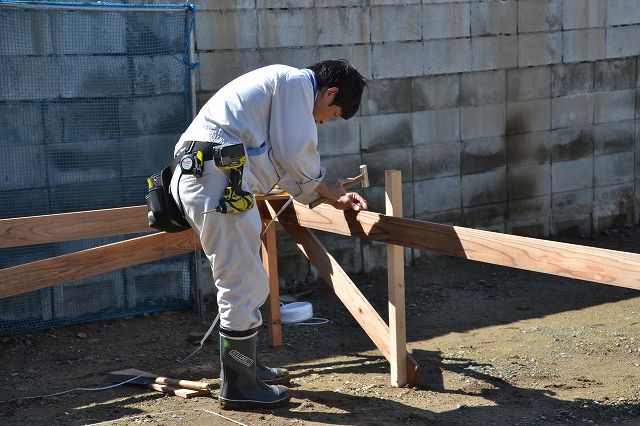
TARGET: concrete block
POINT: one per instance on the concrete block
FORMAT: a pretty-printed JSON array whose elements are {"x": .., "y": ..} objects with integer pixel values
[
  {"x": 80, "y": 196},
  {"x": 83, "y": 33},
  {"x": 360, "y": 56},
  {"x": 494, "y": 17},
  {"x": 532, "y": 228},
  {"x": 283, "y": 4},
  {"x": 429, "y": 127},
  {"x": 228, "y": 29},
  {"x": 446, "y": 20},
  {"x": 44, "y": 82},
  {"x": 151, "y": 116},
  {"x": 614, "y": 106},
  {"x": 95, "y": 76},
  {"x": 618, "y": 44},
  {"x": 148, "y": 81},
  {"x": 436, "y": 161},
  {"x": 345, "y": 250},
  {"x": 286, "y": 27},
  {"x": 483, "y": 88},
  {"x": 529, "y": 181},
  {"x": 21, "y": 124},
  {"x": 343, "y": 25},
  {"x": 483, "y": 155},
  {"x": 22, "y": 167},
  {"x": 386, "y": 96},
  {"x": 484, "y": 188},
  {"x": 489, "y": 217},
  {"x": 435, "y": 92},
  {"x": 622, "y": 12},
  {"x": 494, "y": 52},
  {"x": 158, "y": 283},
  {"x": 539, "y": 15},
  {"x": 157, "y": 151},
  {"x": 613, "y": 206},
  {"x": 572, "y": 144},
  {"x": 298, "y": 57},
  {"x": 374, "y": 256},
  {"x": 19, "y": 203},
  {"x": 571, "y": 175},
  {"x": 437, "y": 195},
  {"x": 225, "y": 4},
  {"x": 611, "y": 138},
  {"x": 447, "y": 56},
  {"x": 392, "y": 60},
  {"x": 572, "y": 111},
  {"x": 388, "y": 159},
  {"x": 385, "y": 131},
  {"x": 90, "y": 295},
  {"x": 613, "y": 169},
  {"x": 22, "y": 308},
  {"x": 340, "y": 3},
  {"x": 390, "y": 2},
  {"x": 539, "y": 49},
  {"x": 82, "y": 162},
  {"x": 528, "y": 83},
  {"x": 529, "y": 148},
  {"x": 77, "y": 121},
  {"x": 583, "y": 14},
  {"x": 580, "y": 202},
  {"x": 483, "y": 121},
  {"x": 341, "y": 166},
  {"x": 572, "y": 79},
  {"x": 528, "y": 116},
  {"x": 615, "y": 75},
  {"x": 576, "y": 225},
  {"x": 339, "y": 137},
  {"x": 395, "y": 23},
  {"x": 583, "y": 45},
  {"x": 25, "y": 33},
  {"x": 528, "y": 208}
]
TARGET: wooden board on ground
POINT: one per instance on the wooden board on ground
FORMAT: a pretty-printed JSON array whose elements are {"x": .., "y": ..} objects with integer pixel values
[{"x": 181, "y": 388}]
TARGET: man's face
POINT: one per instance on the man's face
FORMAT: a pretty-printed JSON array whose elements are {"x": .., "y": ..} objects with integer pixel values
[{"x": 323, "y": 111}]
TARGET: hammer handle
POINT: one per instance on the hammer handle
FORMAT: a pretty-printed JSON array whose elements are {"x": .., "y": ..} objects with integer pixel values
[
  {"x": 347, "y": 185},
  {"x": 186, "y": 384}
]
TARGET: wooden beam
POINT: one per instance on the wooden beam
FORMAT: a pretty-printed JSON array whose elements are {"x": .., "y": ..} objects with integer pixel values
[
  {"x": 348, "y": 293},
  {"x": 53, "y": 228},
  {"x": 270, "y": 262},
  {"x": 568, "y": 260},
  {"x": 395, "y": 277},
  {"x": 86, "y": 263}
]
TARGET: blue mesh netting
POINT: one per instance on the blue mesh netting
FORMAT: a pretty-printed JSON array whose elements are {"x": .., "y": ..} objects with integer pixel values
[{"x": 93, "y": 96}]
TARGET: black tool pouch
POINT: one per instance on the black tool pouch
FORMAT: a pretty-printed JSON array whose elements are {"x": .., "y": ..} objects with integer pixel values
[{"x": 162, "y": 211}]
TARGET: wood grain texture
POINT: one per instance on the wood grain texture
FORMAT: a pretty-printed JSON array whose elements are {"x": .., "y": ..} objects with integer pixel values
[
  {"x": 86, "y": 263},
  {"x": 270, "y": 262},
  {"x": 348, "y": 293},
  {"x": 551, "y": 257}
]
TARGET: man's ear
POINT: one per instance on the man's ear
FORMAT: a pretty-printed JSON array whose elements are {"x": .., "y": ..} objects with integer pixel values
[{"x": 332, "y": 90}]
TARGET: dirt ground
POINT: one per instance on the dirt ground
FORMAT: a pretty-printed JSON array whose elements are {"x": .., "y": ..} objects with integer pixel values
[{"x": 496, "y": 346}]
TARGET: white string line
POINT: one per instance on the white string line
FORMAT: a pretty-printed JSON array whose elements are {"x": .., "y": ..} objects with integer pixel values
[
  {"x": 206, "y": 335},
  {"x": 226, "y": 418},
  {"x": 135, "y": 417},
  {"x": 72, "y": 390}
]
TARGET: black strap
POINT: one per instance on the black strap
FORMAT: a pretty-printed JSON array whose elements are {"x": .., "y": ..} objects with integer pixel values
[{"x": 194, "y": 146}]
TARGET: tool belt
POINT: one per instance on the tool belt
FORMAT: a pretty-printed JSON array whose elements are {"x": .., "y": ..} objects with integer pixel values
[{"x": 166, "y": 215}]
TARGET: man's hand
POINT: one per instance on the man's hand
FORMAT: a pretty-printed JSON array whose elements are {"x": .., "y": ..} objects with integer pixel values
[
  {"x": 351, "y": 200},
  {"x": 332, "y": 188}
]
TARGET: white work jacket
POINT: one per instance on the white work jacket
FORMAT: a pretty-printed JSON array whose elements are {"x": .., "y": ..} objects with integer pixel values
[{"x": 271, "y": 111}]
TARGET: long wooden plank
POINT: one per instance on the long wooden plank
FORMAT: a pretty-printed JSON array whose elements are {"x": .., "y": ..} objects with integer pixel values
[
  {"x": 395, "y": 277},
  {"x": 551, "y": 257},
  {"x": 53, "y": 228},
  {"x": 348, "y": 293},
  {"x": 86, "y": 263}
]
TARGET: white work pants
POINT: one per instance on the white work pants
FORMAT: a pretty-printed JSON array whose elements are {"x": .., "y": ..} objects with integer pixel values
[{"x": 231, "y": 243}]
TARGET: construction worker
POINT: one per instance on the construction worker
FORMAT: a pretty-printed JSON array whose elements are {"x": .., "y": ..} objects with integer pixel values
[{"x": 273, "y": 112}]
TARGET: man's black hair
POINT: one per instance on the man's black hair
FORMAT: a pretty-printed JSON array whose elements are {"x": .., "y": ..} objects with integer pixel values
[{"x": 341, "y": 74}]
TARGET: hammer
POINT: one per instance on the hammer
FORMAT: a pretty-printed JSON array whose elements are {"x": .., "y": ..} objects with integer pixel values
[{"x": 363, "y": 178}]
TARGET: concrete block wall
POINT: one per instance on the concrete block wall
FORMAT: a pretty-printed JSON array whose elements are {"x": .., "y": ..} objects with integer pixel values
[{"x": 518, "y": 116}]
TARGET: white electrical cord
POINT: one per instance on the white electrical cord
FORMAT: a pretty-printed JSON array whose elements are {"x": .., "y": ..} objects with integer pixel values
[
  {"x": 299, "y": 313},
  {"x": 206, "y": 335}
]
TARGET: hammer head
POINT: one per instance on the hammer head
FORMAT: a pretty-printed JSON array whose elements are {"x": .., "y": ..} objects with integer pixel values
[{"x": 365, "y": 175}]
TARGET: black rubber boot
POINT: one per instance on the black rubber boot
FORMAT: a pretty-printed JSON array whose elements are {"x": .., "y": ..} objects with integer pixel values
[
  {"x": 272, "y": 375},
  {"x": 240, "y": 388}
]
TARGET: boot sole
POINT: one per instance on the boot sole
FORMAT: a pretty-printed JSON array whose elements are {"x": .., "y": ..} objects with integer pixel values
[{"x": 231, "y": 404}]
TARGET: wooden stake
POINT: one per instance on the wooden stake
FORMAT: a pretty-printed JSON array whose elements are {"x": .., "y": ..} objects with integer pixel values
[
  {"x": 270, "y": 262},
  {"x": 395, "y": 275}
]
